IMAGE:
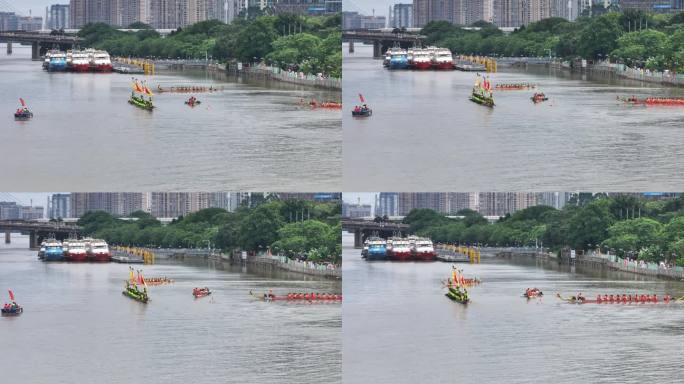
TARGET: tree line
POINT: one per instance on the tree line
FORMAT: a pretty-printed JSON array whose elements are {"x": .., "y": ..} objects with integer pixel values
[
  {"x": 635, "y": 38},
  {"x": 627, "y": 225},
  {"x": 296, "y": 228},
  {"x": 304, "y": 43}
]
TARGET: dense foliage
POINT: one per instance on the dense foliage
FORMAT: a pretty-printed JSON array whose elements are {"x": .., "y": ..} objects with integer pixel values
[
  {"x": 309, "y": 44},
  {"x": 635, "y": 38},
  {"x": 292, "y": 227},
  {"x": 627, "y": 225}
]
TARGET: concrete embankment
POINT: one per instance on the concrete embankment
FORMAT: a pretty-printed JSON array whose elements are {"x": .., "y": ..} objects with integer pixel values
[
  {"x": 599, "y": 262},
  {"x": 263, "y": 263}
]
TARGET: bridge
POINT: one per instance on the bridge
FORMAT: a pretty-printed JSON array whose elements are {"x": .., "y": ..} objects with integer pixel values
[
  {"x": 39, "y": 231},
  {"x": 40, "y": 42},
  {"x": 363, "y": 229},
  {"x": 382, "y": 40}
]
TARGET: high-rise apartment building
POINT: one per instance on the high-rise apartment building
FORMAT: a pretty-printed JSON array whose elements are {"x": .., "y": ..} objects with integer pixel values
[
  {"x": 59, "y": 206},
  {"x": 401, "y": 16},
  {"x": 57, "y": 16},
  {"x": 115, "y": 203},
  {"x": 386, "y": 204},
  {"x": 168, "y": 13}
]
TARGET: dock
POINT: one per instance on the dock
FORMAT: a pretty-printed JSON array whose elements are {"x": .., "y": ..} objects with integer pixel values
[
  {"x": 453, "y": 258},
  {"x": 127, "y": 259},
  {"x": 127, "y": 68},
  {"x": 467, "y": 66}
]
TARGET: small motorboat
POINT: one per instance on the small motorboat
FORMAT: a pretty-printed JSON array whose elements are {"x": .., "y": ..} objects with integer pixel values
[
  {"x": 534, "y": 292},
  {"x": 539, "y": 97},
  {"x": 192, "y": 102},
  {"x": 23, "y": 113},
  {"x": 201, "y": 292},
  {"x": 12, "y": 308},
  {"x": 362, "y": 111}
]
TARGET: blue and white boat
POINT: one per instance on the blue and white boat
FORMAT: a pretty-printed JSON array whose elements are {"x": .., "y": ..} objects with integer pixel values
[
  {"x": 58, "y": 62},
  {"x": 398, "y": 59},
  {"x": 377, "y": 249},
  {"x": 53, "y": 251}
]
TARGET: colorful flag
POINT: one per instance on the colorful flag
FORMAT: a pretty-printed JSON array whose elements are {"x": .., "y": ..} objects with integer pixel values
[
  {"x": 23, "y": 104},
  {"x": 361, "y": 98},
  {"x": 11, "y": 295},
  {"x": 147, "y": 91}
]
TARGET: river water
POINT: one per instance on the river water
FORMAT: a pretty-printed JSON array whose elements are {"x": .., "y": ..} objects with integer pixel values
[
  {"x": 251, "y": 136},
  {"x": 425, "y": 134},
  {"x": 77, "y": 324},
  {"x": 400, "y": 328}
]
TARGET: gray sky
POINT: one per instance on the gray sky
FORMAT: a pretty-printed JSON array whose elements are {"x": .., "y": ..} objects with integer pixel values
[
  {"x": 23, "y": 6},
  {"x": 366, "y": 197},
  {"x": 366, "y": 6},
  {"x": 39, "y": 198}
]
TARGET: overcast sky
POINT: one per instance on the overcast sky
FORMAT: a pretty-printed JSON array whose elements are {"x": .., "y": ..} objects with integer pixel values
[
  {"x": 39, "y": 198},
  {"x": 366, "y": 6},
  {"x": 23, "y": 6}
]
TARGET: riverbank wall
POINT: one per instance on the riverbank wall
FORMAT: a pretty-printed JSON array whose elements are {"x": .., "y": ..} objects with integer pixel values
[
  {"x": 606, "y": 69},
  {"x": 235, "y": 69},
  {"x": 277, "y": 74},
  {"x": 632, "y": 266},
  {"x": 599, "y": 261},
  {"x": 268, "y": 263}
]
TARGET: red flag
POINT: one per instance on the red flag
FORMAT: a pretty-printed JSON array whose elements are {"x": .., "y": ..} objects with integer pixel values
[
  {"x": 23, "y": 104},
  {"x": 361, "y": 98},
  {"x": 137, "y": 87},
  {"x": 140, "y": 278},
  {"x": 11, "y": 295}
]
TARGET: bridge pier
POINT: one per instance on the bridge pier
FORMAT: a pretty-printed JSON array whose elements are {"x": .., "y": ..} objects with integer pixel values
[
  {"x": 8, "y": 238},
  {"x": 33, "y": 241},
  {"x": 35, "y": 51},
  {"x": 377, "y": 49},
  {"x": 9, "y": 47},
  {"x": 358, "y": 238},
  {"x": 351, "y": 46}
]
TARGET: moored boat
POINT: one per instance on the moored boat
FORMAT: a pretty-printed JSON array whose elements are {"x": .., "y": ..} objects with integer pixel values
[
  {"x": 421, "y": 59},
  {"x": 100, "y": 62},
  {"x": 80, "y": 61},
  {"x": 442, "y": 58},
  {"x": 76, "y": 251},
  {"x": 53, "y": 251},
  {"x": 398, "y": 59},
  {"x": 377, "y": 249},
  {"x": 424, "y": 250},
  {"x": 401, "y": 250},
  {"x": 98, "y": 250},
  {"x": 57, "y": 62}
]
